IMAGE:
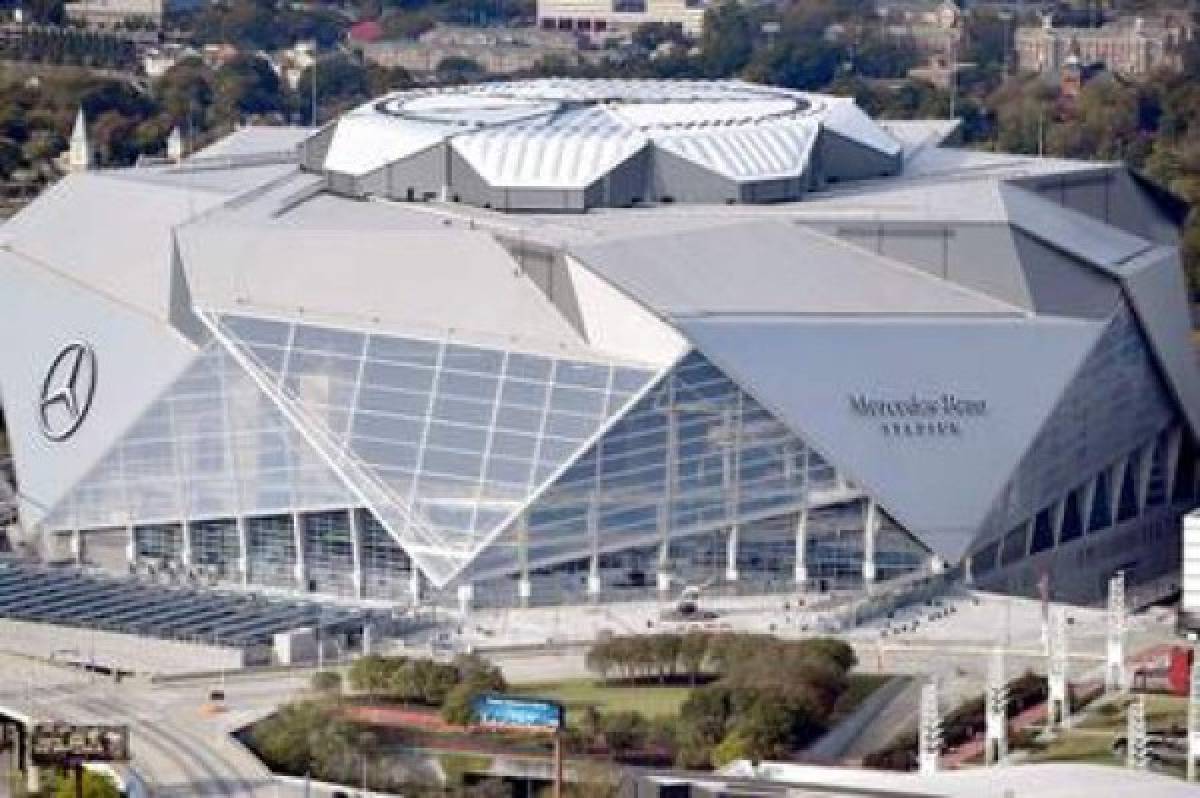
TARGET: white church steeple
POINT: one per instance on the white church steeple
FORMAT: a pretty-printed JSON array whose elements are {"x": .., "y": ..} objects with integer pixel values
[{"x": 79, "y": 158}]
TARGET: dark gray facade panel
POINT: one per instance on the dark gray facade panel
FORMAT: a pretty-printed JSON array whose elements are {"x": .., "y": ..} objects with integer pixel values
[
  {"x": 1158, "y": 295},
  {"x": 675, "y": 179},
  {"x": 547, "y": 269},
  {"x": 419, "y": 176},
  {"x": 467, "y": 185},
  {"x": 314, "y": 148},
  {"x": 1062, "y": 286},
  {"x": 626, "y": 184},
  {"x": 838, "y": 158},
  {"x": 1110, "y": 195}
]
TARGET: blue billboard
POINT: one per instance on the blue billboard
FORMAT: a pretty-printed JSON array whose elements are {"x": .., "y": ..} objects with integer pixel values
[{"x": 527, "y": 713}]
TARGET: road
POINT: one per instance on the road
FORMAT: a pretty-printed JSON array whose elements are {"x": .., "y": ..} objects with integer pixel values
[{"x": 177, "y": 751}]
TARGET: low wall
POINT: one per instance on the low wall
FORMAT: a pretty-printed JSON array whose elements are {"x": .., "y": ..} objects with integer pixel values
[{"x": 143, "y": 655}]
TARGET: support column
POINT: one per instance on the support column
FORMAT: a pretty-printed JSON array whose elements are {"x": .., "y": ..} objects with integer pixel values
[
  {"x": 802, "y": 547},
  {"x": 466, "y": 595},
  {"x": 1114, "y": 489},
  {"x": 731, "y": 554},
  {"x": 243, "y": 564},
  {"x": 301, "y": 569},
  {"x": 356, "y": 537},
  {"x": 77, "y": 546},
  {"x": 1058, "y": 514},
  {"x": 1145, "y": 465},
  {"x": 131, "y": 547},
  {"x": 1086, "y": 504},
  {"x": 870, "y": 522},
  {"x": 524, "y": 585},
  {"x": 33, "y": 776},
  {"x": 663, "y": 568},
  {"x": 185, "y": 543},
  {"x": 593, "y": 577},
  {"x": 663, "y": 576},
  {"x": 969, "y": 570},
  {"x": 1171, "y": 461},
  {"x": 414, "y": 583}
]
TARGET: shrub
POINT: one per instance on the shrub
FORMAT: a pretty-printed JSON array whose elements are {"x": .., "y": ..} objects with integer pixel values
[{"x": 327, "y": 682}]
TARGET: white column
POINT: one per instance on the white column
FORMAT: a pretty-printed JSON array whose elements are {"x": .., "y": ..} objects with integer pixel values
[
  {"x": 1087, "y": 502},
  {"x": 1174, "y": 445},
  {"x": 665, "y": 510},
  {"x": 1114, "y": 492},
  {"x": 1058, "y": 514},
  {"x": 185, "y": 541},
  {"x": 243, "y": 564},
  {"x": 414, "y": 583},
  {"x": 524, "y": 586},
  {"x": 77, "y": 546},
  {"x": 802, "y": 546},
  {"x": 593, "y": 522},
  {"x": 663, "y": 574},
  {"x": 870, "y": 521},
  {"x": 356, "y": 553},
  {"x": 301, "y": 556},
  {"x": 731, "y": 554},
  {"x": 1145, "y": 463},
  {"x": 466, "y": 594},
  {"x": 969, "y": 570},
  {"x": 131, "y": 546}
]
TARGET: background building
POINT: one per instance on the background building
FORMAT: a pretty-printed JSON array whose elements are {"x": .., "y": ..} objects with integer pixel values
[
  {"x": 1126, "y": 45},
  {"x": 737, "y": 336},
  {"x": 600, "y": 19}
]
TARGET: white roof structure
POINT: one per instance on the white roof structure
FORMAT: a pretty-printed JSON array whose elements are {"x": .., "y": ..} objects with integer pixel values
[
  {"x": 552, "y": 134},
  {"x": 470, "y": 317}
]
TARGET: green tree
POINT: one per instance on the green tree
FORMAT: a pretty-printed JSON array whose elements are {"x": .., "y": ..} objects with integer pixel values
[
  {"x": 728, "y": 38},
  {"x": 327, "y": 682},
  {"x": 95, "y": 785}
]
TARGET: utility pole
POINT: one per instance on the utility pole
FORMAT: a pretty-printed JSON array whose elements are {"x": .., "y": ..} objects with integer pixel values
[
  {"x": 929, "y": 731},
  {"x": 1114, "y": 668},
  {"x": 1058, "y": 704},
  {"x": 996, "y": 719},
  {"x": 1193, "y": 742},
  {"x": 1135, "y": 736}
]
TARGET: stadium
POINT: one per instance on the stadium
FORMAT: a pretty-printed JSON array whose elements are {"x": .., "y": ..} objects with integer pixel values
[{"x": 562, "y": 341}]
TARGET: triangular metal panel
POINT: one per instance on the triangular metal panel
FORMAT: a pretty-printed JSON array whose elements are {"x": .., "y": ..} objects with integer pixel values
[
  {"x": 930, "y": 417},
  {"x": 1156, "y": 289}
]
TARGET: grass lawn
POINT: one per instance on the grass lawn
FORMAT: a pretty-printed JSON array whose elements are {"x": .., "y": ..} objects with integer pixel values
[
  {"x": 578, "y": 694},
  {"x": 1092, "y": 740}
]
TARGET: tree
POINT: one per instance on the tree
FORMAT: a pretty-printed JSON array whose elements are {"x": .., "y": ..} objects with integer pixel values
[
  {"x": 728, "y": 38},
  {"x": 246, "y": 84},
  {"x": 95, "y": 785},
  {"x": 459, "y": 706}
]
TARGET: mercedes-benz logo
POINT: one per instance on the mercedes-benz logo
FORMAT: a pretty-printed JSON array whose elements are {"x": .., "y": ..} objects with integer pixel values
[{"x": 67, "y": 391}]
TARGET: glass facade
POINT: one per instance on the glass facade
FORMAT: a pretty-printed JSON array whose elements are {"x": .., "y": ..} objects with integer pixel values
[
  {"x": 555, "y": 470},
  {"x": 665, "y": 486},
  {"x": 450, "y": 439},
  {"x": 1115, "y": 404},
  {"x": 212, "y": 446}
]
